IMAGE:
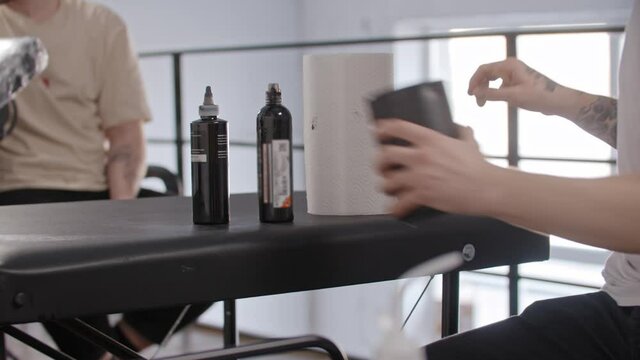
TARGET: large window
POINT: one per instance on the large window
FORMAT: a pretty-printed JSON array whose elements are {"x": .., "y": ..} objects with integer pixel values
[
  {"x": 536, "y": 143},
  {"x": 580, "y": 61}
]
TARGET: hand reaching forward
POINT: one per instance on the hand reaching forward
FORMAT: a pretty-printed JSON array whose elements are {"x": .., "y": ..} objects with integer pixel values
[
  {"x": 528, "y": 89},
  {"x": 521, "y": 86},
  {"x": 436, "y": 170}
]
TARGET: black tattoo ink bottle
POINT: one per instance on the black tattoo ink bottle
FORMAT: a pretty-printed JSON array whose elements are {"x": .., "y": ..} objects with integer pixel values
[
  {"x": 275, "y": 170},
  {"x": 210, "y": 165}
]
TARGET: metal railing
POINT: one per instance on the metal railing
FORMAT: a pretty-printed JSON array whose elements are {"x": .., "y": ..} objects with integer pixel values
[{"x": 513, "y": 156}]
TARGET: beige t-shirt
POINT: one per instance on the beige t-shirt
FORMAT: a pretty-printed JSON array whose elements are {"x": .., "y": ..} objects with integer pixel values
[{"x": 92, "y": 83}]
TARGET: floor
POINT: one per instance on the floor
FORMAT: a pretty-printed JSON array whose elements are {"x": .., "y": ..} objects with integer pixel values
[{"x": 193, "y": 339}]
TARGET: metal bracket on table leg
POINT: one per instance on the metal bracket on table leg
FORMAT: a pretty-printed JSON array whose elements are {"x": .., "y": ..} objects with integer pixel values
[
  {"x": 230, "y": 331},
  {"x": 266, "y": 348},
  {"x": 100, "y": 339},
  {"x": 450, "y": 303},
  {"x": 35, "y": 343}
]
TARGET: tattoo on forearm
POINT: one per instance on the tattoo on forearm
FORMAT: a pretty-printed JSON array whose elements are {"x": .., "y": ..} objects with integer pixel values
[
  {"x": 549, "y": 84},
  {"x": 124, "y": 155},
  {"x": 600, "y": 118}
]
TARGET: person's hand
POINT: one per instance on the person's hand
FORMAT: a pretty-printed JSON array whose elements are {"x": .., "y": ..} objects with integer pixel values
[
  {"x": 521, "y": 86},
  {"x": 435, "y": 170}
]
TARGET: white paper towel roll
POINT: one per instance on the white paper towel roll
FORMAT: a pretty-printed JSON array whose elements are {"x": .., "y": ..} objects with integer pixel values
[{"x": 338, "y": 139}]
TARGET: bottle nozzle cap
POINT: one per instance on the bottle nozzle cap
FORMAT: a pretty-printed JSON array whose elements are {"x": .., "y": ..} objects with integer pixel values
[
  {"x": 208, "y": 107},
  {"x": 208, "y": 96},
  {"x": 274, "y": 87},
  {"x": 274, "y": 95}
]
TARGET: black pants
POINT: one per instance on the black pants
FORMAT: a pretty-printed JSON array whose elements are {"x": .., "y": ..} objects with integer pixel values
[
  {"x": 583, "y": 327},
  {"x": 152, "y": 324}
]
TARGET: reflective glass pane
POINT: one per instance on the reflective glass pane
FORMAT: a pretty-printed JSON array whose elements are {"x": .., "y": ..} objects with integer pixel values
[
  {"x": 501, "y": 270},
  {"x": 567, "y": 168},
  {"x": 163, "y": 155},
  {"x": 157, "y": 75},
  {"x": 484, "y": 299},
  {"x": 455, "y": 61},
  {"x": 531, "y": 291},
  {"x": 577, "y": 272},
  {"x": 499, "y": 162},
  {"x": 580, "y": 61}
]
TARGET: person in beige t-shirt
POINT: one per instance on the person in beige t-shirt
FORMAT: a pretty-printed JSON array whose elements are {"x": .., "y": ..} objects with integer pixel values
[
  {"x": 79, "y": 135},
  {"x": 80, "y": 122}
]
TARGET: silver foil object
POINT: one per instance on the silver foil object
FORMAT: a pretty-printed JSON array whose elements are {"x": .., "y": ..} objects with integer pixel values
[{"x": 20, "y": 60}]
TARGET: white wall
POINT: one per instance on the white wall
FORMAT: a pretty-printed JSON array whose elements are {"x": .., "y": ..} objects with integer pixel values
[
  {"x": 164, "y": 24},
  {"x": 180, "y": 24},
  {"x": 330, "y": 19}
]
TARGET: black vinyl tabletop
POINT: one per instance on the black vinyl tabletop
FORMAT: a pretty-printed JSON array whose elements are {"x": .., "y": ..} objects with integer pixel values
[{"x": 75, "y": 259}]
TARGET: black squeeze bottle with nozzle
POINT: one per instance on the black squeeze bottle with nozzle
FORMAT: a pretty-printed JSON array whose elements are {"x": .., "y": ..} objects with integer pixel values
[
  {"x": 275, "y": 170},
  {"x": 210, "y": 165}
]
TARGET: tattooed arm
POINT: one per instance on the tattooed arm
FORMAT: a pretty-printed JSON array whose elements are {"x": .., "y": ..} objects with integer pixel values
[
  {"x": 599, "y": 212},
  {"x": 526, "y": 88},
  {"x": 597, "y": 115},
  {"x": 125, "y": 166}
]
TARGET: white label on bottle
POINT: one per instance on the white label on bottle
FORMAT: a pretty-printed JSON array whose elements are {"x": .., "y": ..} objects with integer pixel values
[
  {"x": 280, "y": 168},
  {"x": 222, "y": 143},
  {"x": 266, "y": 172},
  {"x": 198, "y": 157}
]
